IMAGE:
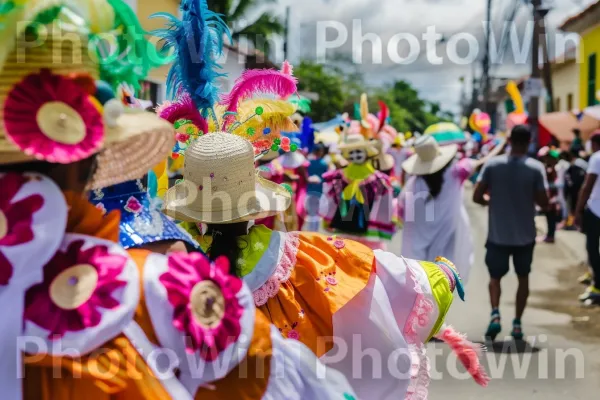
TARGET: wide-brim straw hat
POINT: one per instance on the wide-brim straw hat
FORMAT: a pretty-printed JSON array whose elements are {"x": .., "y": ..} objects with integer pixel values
[
  {"x": 221, "y": 186},
  {"x": 429, "y": 156},
  {"x": 358, "y": 142},
  {"x": 128, "y": 142}
]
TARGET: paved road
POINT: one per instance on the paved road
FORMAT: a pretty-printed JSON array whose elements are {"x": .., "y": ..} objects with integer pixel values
[{"x": 551, "y": 367}]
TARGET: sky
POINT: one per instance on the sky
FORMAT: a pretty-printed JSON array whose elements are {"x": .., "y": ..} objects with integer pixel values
[{"x": 453, "y": 19}]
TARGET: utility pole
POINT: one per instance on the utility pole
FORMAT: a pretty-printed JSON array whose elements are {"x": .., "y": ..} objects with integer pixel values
[
  {"x": 486, "y": 59},
  {"x": 547, "y": 66},
  {"x": 286, "y": 33},
  {"x": 534, "y": 109}
]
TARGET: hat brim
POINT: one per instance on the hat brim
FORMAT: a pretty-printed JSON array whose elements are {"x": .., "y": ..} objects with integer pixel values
[
  {"x": 137, "y": 143},
  {"x": 366, "y": 144},
  {"x": 416, "y": 166},
  {"x": 270, "y": 199}
]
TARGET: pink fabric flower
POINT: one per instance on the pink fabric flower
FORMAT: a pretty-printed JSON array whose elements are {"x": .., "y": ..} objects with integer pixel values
[
  {"x": 331, "y": 280},
  {"x": 28, "y": 97},
  {"x": 16, "y": 219},
  {"x": 133, "y": 205},
  {"x": 41, "y": 309},
  {"x": 339, "y": 244},
  {"x": 187, "y": 270},
  {"x": 293, "y": 334}
]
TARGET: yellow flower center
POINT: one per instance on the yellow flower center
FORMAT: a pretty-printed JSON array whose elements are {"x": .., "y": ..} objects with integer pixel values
[
  {"x": 61, "y": 123},
  {"x": 208, "y": 304},
  {"x": 74, "y": 286},
  {"x": 3, "y": 225}
]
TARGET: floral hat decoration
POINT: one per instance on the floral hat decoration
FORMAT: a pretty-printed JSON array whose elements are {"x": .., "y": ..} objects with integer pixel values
[
  {"x": 88, "y": 295},
  {"x": 32, "y": 211},
  {"x": 53, "y": 106},
  {"x": 202, "y": 311},
  {"x": 244, "y": 125}
]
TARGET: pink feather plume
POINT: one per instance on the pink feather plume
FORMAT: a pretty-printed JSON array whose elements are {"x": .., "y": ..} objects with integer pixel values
[
  {"x": 467, "y": 352},
  {"x": 183, "y": 108},
  {"x": 257, "y": 81},
  {"x": 384, "y": 113},
  {"x": 287, "y": 69}
]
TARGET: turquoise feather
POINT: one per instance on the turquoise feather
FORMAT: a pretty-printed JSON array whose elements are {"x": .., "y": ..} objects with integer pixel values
[{"x": 196, "y": 42}]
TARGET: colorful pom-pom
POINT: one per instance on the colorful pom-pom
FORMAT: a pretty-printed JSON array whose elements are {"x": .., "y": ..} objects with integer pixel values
[
  {"x": 274, "y": 147},
  {"x": 285, "y": 147},
  {"x": 174, "y": 156},
  {"x": 277, "y": 141},
  {"x": 266, "y": 131},
  {"x": 250, "y": 131},
  {"x": 294, "y": 147},
  {"x": 182, "y": 137},
  {"x": 259, "y": 110},
  {"x": 285, "y": 140}
]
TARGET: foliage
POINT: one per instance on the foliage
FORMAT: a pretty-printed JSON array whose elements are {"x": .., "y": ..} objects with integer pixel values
[
  {"x": 256, "y": 30},
  {"x": 328, "y": 84},
  {"x": 340, "y": 84}
]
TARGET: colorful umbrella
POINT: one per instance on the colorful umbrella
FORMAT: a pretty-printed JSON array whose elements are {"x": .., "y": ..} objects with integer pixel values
[{"x": 446, "y": 133}]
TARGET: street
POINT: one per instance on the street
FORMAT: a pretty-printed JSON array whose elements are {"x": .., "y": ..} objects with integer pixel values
[{"x": 559, "y": 361}]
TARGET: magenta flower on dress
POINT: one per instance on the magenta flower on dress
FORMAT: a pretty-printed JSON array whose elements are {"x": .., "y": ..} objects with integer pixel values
[
  {"x": 52, "y": 118},
  {"x": 186, "y": 271},
  {"x": 16, "y": 219},
  {"x": 41, "y": 308}
]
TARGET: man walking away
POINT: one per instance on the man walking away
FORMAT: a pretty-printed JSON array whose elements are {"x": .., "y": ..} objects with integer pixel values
[
  {"x": 511, "y": 184},
  {"x": 588, "y": 213}
]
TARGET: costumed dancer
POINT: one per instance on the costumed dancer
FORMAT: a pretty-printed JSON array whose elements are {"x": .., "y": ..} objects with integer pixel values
[
  {"x": 437, "y": 223},
  {"x": 72, "y": 289},
  {"x": 357, "y": 200},
  {"x": 313, "y": 287},
  {"x": 74, "y": 292}
]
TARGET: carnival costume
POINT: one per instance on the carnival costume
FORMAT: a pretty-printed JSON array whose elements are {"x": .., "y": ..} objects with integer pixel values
[
  {"x": 357, "y": 200},
  {"x": 311, "y": 287}
]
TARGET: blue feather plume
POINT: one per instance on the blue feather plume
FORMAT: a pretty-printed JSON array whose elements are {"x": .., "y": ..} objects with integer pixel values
[{"x": 195, "y": 43}]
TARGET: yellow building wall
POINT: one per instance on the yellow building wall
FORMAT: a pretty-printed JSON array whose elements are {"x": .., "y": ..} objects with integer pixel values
[
  {"x": 565, "y": 82},
  {"x": 590, "y": 44},
  {"x": 145, "y": 8}
]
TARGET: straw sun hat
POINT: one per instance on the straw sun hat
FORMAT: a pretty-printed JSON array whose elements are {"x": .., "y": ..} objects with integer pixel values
[
  {"x": 49, "y": 111},
  {"x": 221, "y": 186},
  {"x": 358, "y": 142},
  {"x": 429, "y": 157}
]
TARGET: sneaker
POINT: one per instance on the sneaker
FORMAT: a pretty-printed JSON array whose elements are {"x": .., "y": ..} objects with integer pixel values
[
  {"x": 585, "y": 279},
  {"x": 592, "y": 300},
  {"x": 549, "y": 240},
  {"x": 590, "y": 293},
  {"x": 494, "y": 328},
  {"x": 517, "y": 331}
]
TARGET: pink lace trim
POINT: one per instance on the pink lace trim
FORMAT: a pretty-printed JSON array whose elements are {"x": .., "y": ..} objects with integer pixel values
[
  {"x": 418, "y": 318},
  {"x": 282, "y": 272}
]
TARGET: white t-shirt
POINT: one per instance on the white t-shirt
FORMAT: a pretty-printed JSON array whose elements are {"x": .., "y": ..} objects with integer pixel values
[{"x": 594, "y": 168}]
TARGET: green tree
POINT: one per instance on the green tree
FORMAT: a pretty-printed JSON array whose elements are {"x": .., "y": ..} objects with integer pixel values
[
  {"x": 257, "y": 30},
  {"x": 327, "y": 84}
]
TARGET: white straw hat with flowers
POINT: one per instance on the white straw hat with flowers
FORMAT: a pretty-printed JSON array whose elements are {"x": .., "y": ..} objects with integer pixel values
[
  {"x": 429, "y": 156},
  {"x": 225, "y": 134},
  {"x": 220, "y": 184},
  {"x": 50, "y": 105}
]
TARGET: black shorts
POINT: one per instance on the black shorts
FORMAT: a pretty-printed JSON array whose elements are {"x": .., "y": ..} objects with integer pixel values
[{"x": 497, "y": 259}]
